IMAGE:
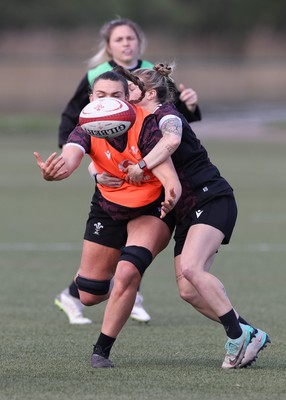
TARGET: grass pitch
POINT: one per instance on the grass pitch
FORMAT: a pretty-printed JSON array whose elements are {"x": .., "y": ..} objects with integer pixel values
[{"x": 179, "y": 353}]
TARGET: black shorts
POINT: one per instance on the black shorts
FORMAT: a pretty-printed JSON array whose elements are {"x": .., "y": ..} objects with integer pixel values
[
  {"x": 102, "y": 229},
  {"x": 220, "y": 212}
]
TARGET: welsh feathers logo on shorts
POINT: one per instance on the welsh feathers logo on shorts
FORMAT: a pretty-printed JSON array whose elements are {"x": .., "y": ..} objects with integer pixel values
[{"x": 97, "y": 228}]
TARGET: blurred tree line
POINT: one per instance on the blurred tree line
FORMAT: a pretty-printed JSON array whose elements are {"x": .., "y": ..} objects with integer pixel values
[{"x": 234, "y": 19}]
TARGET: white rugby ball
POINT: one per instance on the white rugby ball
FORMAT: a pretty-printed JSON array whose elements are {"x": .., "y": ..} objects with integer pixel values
[{"x": 107, "y": 117}]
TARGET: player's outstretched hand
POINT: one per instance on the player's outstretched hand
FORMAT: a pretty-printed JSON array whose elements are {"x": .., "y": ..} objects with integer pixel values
[
  {"x": 53, "y": 168},
  {"x": 169, "y": 203}
]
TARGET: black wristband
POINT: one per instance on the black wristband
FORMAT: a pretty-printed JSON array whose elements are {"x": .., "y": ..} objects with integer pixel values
[{"x": 95, "y": 177}]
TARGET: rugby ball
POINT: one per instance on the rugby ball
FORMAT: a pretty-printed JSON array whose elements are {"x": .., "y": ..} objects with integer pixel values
[{"x": 107, "y": 117}]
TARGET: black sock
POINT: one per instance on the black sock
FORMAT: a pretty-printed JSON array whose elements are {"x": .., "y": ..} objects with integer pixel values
[
  {"x": 73, "y": 290},
  {"x": 231, "y": 325},
  {"x": 103, "y": 345},
  {"x": 243, "y": 322}
]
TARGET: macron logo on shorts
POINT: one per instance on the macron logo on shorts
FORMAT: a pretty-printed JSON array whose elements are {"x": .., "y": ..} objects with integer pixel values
[{"x": 199, "y": 212}]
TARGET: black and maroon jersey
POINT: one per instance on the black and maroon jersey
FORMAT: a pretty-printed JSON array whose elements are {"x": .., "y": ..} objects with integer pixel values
[{"x": 200, "y": 179}]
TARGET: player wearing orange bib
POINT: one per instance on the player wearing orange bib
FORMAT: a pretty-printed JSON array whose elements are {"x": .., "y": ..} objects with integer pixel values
[
  {"x": 120, "y": 241},
  {"x": 107, "y": 159}
]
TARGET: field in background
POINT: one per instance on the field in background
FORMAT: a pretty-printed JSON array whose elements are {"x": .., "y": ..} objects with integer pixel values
[
  {"x": 179, "y": 354},
  {"x": 39, "y": 71}
]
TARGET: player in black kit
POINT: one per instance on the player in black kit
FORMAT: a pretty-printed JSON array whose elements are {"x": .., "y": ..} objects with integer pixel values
[{"x": 205, "y": 215}]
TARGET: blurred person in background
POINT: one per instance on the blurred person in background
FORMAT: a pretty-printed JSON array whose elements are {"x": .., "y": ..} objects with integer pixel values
[{"x": 122, "y": 43}]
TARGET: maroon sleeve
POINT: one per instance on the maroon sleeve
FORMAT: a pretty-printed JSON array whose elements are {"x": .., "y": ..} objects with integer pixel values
[
  {"x": 149, "y": 136},
  {"x": 80, "y": 137}
]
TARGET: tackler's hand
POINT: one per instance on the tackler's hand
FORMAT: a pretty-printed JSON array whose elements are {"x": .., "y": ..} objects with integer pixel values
[
  {"x": 109, "y": 180},
  {"x": 169, "y": 203},
  {"x": 134, "y": 174}
]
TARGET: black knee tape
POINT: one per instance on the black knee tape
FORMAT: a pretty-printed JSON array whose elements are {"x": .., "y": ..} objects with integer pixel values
[
  {"x": 92, "y": 286},
  {"x": 139, "y": 256}
]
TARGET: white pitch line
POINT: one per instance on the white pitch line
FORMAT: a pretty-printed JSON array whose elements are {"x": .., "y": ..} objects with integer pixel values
[
  {"x": 257, "y": 247},
  {"x": 42, "y": 247}
]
